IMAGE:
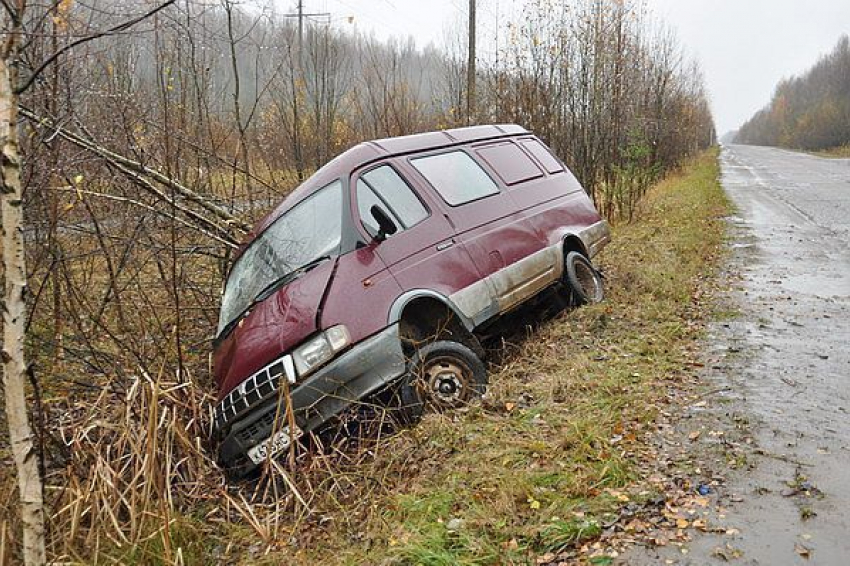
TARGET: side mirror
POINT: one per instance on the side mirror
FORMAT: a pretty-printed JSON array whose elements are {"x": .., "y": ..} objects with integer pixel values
[{"x": 386, "y": 226}]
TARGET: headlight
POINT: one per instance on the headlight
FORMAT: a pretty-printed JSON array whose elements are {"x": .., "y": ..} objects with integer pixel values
[
  {"x": 338, "y": 337},
  {"x": 320, "y": 349}
]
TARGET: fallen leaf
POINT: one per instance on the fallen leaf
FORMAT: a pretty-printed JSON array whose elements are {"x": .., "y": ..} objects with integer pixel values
[
  {"x": 636, "y": 525},
  {"x": 728, "y": 553},
  {"x": 618, "y": 495},
  {"x": 700, "y": 501},
  {"x": 803, "y": 551}
]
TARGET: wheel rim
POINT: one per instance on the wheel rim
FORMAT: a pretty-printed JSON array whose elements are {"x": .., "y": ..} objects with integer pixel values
[
  {"x": 446, "y": 381},
  {"x": 588, "y": 280}
]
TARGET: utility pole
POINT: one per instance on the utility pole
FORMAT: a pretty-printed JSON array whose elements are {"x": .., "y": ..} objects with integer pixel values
[
  {"x": 470, "y": 77},
  {"x": 300, "y": 83},
  {"x": 301, "y": 37},
  {"x": 301, "y": 15}
]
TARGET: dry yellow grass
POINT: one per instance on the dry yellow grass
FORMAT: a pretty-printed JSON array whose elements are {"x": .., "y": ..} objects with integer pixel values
[{"x": 841, "y": 152}]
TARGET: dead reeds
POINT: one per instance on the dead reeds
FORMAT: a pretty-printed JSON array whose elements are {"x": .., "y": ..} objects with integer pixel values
[
  {"x": 137, "y": 466},
  {"x": 134, "y": 459}
]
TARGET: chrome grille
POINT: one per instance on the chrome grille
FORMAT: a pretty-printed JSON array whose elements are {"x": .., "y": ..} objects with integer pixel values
[{"x": 250, "y": 392}]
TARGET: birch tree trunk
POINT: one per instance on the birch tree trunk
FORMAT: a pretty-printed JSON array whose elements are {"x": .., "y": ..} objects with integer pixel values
[{"x": 14, "y": 323}]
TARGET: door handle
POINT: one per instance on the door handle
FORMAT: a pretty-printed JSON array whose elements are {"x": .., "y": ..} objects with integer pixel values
[{"x": 445, "y": 245}]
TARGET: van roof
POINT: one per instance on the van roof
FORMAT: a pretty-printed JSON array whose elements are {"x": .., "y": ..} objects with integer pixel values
[
  {"x": 433, "y": 140},
  {"x": 366, "y": 152}
]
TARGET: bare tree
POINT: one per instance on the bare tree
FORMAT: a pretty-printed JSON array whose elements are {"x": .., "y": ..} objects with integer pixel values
[
  {"x": 607, "y": 89},
  {"x": 14, "y": 311}
]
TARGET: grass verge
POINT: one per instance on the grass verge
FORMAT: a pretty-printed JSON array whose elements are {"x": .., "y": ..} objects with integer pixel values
[{"x": 840, "y": 152}]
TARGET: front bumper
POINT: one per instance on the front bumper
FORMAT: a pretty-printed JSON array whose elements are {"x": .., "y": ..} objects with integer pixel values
[{"x": 362, "y": 370}]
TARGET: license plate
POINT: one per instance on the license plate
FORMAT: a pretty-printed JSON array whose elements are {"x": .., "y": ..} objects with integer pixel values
[{"x": 274, "y": 445}]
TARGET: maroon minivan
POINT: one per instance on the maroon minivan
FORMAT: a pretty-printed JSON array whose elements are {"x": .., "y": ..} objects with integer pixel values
[{"x": 380, "y": 272}]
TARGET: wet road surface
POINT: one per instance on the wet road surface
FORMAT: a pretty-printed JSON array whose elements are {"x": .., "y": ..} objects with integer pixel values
[{"x": 785, "y": 365}]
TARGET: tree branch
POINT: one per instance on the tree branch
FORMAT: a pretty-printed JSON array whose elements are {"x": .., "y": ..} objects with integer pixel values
[
  {"x": 12, "y": 14},
  {"x": 128, "y": 165},
  {"x": 111, "y": 31},
  {"x": 222, "y": 239}
]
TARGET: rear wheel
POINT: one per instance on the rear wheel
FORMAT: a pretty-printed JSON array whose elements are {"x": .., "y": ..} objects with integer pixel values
[
  {"x": 442, "y": 375},
  {"x": 583, "y": 281}
]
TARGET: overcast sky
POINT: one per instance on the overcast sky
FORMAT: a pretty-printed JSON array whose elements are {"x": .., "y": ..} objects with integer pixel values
[{"x": 744, "y": 46}]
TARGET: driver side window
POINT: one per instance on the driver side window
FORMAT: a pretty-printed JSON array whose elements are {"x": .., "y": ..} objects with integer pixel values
[{"x": 384, "y": 187}]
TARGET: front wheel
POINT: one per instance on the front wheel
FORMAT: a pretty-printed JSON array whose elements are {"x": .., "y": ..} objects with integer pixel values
[
  {"x": 583, "y": 280},
  {"x": 442, "y": 375}
]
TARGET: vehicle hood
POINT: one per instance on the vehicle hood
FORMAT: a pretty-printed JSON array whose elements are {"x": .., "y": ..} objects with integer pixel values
[{"x": 271, "y": 328}]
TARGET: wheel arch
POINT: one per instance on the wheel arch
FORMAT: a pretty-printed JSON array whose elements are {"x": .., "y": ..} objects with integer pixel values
[
  {"x": 573, "y": 243},
  {"x": 419, "y": 296},
  {"x": 424, "y": 315}
]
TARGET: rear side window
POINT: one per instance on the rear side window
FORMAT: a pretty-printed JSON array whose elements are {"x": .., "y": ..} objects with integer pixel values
[
  {"x": 384, "y": 187},
  {"x": 542, "y": 154},
  {"x": 456, "y": 176},
  {"x": 510, "y": 163}
]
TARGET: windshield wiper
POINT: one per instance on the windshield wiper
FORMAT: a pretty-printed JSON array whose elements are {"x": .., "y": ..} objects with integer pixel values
[{"x": 267, "y": 291}]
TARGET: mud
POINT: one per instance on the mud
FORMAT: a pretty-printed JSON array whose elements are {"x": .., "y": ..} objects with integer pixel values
[{"x": 781, "y": 366}]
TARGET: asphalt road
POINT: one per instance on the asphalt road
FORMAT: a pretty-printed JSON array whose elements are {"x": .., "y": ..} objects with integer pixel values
[
  {"x": 784, "y": 365},
  {"x": 794, "y": 334}
]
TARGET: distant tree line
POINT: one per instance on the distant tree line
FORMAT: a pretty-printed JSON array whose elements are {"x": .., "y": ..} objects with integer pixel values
[{"x": 811, "y": 111}]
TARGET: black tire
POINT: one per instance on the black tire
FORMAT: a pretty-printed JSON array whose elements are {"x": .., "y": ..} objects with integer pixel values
[
  {"x": 401, "y": 405},
  {"x": 583, "y": 281},
  {"x": 442, "y": 375}
]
